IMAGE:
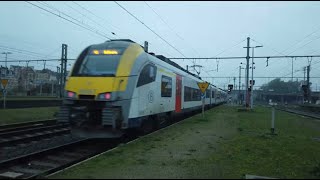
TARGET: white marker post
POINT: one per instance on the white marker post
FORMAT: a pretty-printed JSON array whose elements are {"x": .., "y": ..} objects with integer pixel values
[{"x": 272, "y": 120}]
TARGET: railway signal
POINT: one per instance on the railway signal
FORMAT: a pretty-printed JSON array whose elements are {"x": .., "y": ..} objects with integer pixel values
[
  {"x": 305, "y": 91},
  {"x": 230, "y": 87},
  {"x": 254, "y": 81}
]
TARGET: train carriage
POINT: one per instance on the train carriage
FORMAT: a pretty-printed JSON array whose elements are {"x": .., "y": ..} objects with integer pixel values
[{"x": 116, "y": 86}]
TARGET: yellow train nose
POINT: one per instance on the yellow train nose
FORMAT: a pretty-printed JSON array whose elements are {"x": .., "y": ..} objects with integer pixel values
[{"x": 96, "y": 85}]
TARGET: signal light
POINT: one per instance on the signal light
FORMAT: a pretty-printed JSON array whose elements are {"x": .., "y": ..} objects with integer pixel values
[
  {"x": 230, "y": 87},
  {"x": 254, "y": 81}
]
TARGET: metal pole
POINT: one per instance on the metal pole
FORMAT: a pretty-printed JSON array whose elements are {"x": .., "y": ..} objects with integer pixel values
[
  {"x": 58, "y": 82},
  {"x": 51, "y": 88},
  {"x": 247, "y": 71},
  {"x": 6, "y": 60},
  {"x": 40, "y": 88},
  {"x": 63, "y": 68},
  {"x": 4, "y": 98},
  {"x": 292, "y": 70},
  {"x": 234, "y": 87},
  {"x": 308, "y": 83},
  {"x": 6, "y": 53},
  {"x": 304, "y": 75},
  {"x": 146, "y": 46},
  {"x": 61, "y": 72},
  {"x": 239, "y": 84},
  {"x": 251, "y": 98},
  {"x": 65, "y": 63},
  {"x": 203, "y": 105}
]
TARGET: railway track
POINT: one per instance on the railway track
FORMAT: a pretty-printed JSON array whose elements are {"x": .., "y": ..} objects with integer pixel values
[
  {"x": 46, "y": 161},
  {"x": 299, "y": 112},
  {"x": 17, "y": 126},
  {"x": 12, "y": 135},
  {"x": 42, "y": 163}
]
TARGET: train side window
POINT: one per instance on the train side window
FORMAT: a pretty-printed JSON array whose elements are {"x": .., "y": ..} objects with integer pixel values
[
  {"x": 197, "y": 95},
  {"x": 213, "y": 94},
  {"x": 166, "y": 86},
  {"x": 207, "y": 94},
  {"x": 187, "y": 95},
  {"x": 191, "y": 94},
  {"x": 147, "y": 75}
]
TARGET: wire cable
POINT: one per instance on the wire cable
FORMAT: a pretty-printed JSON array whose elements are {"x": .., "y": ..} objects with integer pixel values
[
  {"x": 58, "y": 15},
  {"x": 149, "y": 28}
]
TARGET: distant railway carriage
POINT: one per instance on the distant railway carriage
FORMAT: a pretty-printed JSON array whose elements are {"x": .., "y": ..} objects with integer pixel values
[{"x": 116, "y": 86}]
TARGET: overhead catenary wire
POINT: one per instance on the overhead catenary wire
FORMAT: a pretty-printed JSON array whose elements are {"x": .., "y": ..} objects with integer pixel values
[
  {"x": 171, "y": 28},
  {"x": 304, "y": 45},
  {"x": 34, "y": 54},
  {"x": 30, "y": 60},
  {"x": 58, "y": 15},
  {"x": 60, "y": 12},
  {"x": 269, "y": 63},
  {"x": 227, "y": 49},
  {"x": 149, "y": 28},
  {"x": 267, "y": 46},
  {"x": 284, "y": 51},
  {"x": 193, "y": 61},
  {"x": 103, "y": 19},
  {"x": 92, "y": 20},
  {"x": 308, "y": 35}
]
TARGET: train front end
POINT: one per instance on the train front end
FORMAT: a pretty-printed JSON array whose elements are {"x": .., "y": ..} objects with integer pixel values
[{"x": 97, "y": 91}]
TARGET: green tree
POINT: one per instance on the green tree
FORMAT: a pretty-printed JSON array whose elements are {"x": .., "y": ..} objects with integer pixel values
[{"x": 279, "y": 86}]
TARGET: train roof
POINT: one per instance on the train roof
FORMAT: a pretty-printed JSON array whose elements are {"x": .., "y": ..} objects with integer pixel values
[
  {"x": 161, "y": 57},
  {"x": 167, "y": 60}
]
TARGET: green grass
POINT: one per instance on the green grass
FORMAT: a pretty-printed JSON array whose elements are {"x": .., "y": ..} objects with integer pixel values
[
  {"x": 225, "y": 144},
  {"x": 292, "y": 153},
  {"x": 9, "y": 116}
]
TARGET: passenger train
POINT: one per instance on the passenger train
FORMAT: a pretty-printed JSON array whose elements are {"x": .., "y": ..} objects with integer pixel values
[{"x": 116, "y": 86}]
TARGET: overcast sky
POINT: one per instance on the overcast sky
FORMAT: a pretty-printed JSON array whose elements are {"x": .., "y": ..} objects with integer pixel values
[{"x": 195, "y": 29}]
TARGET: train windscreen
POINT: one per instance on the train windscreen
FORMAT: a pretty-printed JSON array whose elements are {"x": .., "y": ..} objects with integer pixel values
[{"x": 98, "y": 62}]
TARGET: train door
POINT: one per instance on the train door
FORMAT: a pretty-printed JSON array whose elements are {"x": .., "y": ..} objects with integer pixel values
[
  {"x": 146, "y": 90},
  {"x": 178, "y": 93}
]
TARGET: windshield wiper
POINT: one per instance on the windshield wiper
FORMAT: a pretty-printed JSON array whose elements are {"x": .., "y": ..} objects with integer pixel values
[
  {"x": 108, "y": 75},
  {"x": 85, "y": 66}
]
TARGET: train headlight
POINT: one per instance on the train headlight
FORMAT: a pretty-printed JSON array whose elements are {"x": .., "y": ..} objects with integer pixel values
[
  {"x": 105, "y": 96},
  {"x": 70, "y": 94}
]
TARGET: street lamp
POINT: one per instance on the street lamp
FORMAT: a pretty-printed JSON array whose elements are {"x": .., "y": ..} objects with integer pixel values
[
  {"x": 6, "y": 53},
  {"x": 251, "y": 104}
]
